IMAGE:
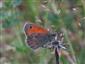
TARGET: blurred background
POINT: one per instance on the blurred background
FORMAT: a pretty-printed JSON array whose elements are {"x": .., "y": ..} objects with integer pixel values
[{"x": 57, "y": 15}]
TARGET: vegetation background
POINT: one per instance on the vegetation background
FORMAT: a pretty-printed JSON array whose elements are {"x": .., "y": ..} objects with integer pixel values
[{"x": 65, "y": 15}]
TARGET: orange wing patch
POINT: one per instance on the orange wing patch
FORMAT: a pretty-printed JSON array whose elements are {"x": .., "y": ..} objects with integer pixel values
[{"x": 36, "y": 29}]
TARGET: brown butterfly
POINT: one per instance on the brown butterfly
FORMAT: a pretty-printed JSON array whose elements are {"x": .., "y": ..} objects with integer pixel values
[{"x": 37, "y": 36}]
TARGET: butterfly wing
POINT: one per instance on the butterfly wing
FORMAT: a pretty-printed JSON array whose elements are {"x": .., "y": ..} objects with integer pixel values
[
  {"x": 36, "y": 36},
  {"x": 33, "y": 43}
]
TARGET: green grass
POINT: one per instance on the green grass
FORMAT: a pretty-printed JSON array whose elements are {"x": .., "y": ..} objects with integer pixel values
[{"x": 55, "y": 15}]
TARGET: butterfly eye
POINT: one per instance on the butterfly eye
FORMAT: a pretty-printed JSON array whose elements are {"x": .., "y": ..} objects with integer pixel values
[{"x": 30, "y": 27}]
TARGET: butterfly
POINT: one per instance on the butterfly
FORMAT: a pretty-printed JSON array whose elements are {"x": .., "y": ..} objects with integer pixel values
[{"x": 37, "y": 36}]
